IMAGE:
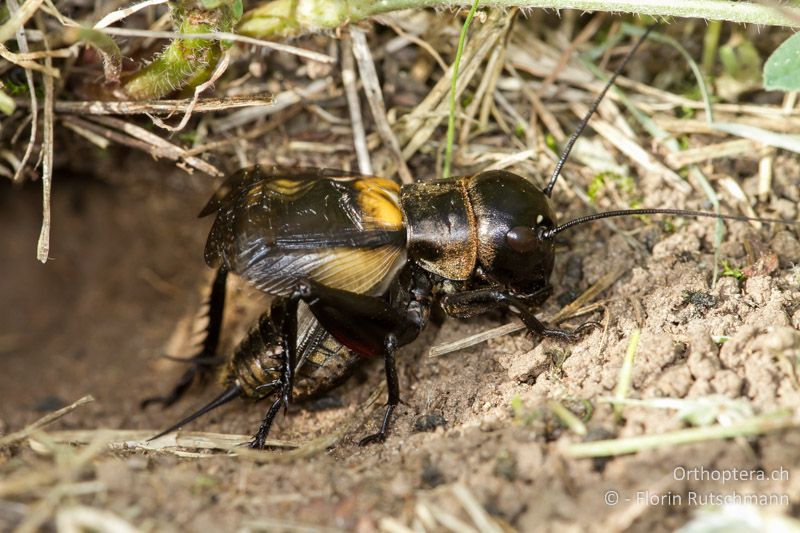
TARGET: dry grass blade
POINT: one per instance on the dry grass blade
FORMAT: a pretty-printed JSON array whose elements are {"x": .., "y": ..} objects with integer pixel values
[
  {"x": 18, "y": 19},
  {"x": 512, "y": 159},
  {"x": 136, "y": 439},
  {"x": 160, "y": 107},
  {"x": 141, "y": 139},
  {"x": 275, "y": 524},
  {"x": 43, "y": 246},
  {"x": 17, "y": 436},
  {"x": 61, "y": 53},
  {"x": 282, "y": 101},
  {"x": 585, "y": 34},
  {"x": 53, "y": 482},
  {"x": 756, "y": 425},
  {"x": 484, "y": 95},
  {"x": 733, "y": 148},
  {"x": 304, "y": 451},
  {"x": 8, "y": 55},
  {"x": 353, "y": 104},
  {"x": 472, "y": 340},
  {"x": 254, "y": 133},
  {"x": 742, "y": 200},
  {"x": 476, "y": 511},
  {"x": 578, "y": 306},
  {"x": 445, "y": 521},
  {"x": 388, "y": 524},
  {"x": 765, "y": 166},
  {"x": 425, "y": 45},
  {"x": 22, "y": 42},
  {"x": 631, "y": 149},
  {"x": 372, "y": 88},
  {"x": 418, "y": 126},
  {"x": 684, "y": 126},
  {"x": 78, "y": 518},
  {"x": 119, "y": 14}
]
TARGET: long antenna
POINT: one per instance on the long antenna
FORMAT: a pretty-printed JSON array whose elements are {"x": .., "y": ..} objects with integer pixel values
[
  {"x": 231, "y": 393},
  {"x": 548, "y": 191},
  {"x": 679, "y": 212}
]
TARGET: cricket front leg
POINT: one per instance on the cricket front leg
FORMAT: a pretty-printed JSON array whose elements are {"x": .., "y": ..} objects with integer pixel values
[
  {"x": 471, "y": 303},
  {"x": 393, "y": 387},
  {"x": 371, "y": 327}
]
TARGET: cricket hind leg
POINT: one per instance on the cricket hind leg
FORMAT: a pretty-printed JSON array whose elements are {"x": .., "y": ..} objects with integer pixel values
[
  {"x": 202, "y": 363},
  {"x": 282, "y": 323}
]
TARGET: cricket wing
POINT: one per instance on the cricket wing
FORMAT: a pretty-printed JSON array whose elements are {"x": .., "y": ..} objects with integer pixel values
[{"x": 276, "y": 226}]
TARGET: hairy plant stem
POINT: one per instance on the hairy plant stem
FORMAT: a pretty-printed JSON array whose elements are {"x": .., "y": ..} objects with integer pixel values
[
  {"x": 282, "y": 18},
  {"x": 184, "y": 63}
]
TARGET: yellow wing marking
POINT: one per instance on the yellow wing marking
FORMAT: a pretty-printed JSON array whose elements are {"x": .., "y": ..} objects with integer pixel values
[
  {"x": 379, "y": 199},
  {"x": 359, "y": 270}
]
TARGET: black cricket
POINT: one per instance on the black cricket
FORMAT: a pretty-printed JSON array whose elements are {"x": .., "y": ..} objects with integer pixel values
[{"x": 355, "y": 264}]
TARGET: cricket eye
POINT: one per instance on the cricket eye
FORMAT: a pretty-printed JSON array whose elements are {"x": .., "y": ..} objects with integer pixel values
[{"x": 522, "y": 239}]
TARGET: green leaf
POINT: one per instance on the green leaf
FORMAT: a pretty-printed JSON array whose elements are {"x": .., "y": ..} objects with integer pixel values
[
  {"x": 105, "y": 46},
  {"x": 741, "y": 61},
  {"x": 782, "y": 69},
  {"x": 7, "y": 104},
  {"x": 212, "y": 4}
]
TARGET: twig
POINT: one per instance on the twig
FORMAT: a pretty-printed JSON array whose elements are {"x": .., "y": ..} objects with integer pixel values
[
  {"x": 372, "y": 88},
  {"x": 17, "y": 436},
  {"x": 353, "y": 104},
  {"x": 159, "y": 107},
  {"x": 22, "y": 42},
  {"x": 43, "y": 246}
]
